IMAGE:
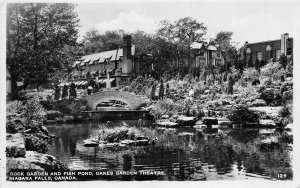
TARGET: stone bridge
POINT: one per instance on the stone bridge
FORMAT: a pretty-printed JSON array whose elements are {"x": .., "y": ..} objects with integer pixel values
[{"x": 132, "y": 100}]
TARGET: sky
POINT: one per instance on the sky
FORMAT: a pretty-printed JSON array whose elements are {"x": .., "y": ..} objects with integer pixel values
[{"x": 251, "y": 21}]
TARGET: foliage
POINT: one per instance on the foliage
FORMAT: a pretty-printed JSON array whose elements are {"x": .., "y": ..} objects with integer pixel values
[
  {"x": 118, "y": 134},
  {"x": 31, "y": 111},
  {"x": 223, "y": 39},
  {"x": 140, "y": 85},
  {"x": 36, "y": 143},
  {"x": 242, "y": 115},
  {"x": 36, "y": 36},
  {"x": 161, "y": 90},
  {"x": 272, "y": 70},
  {"x": 272, "y": 98},
  {"x": 14, "y": 125},
  {"x": 64, "y": 92},
  {"x": 167, "y": 106},
  {"x": 250, "y": 74}
]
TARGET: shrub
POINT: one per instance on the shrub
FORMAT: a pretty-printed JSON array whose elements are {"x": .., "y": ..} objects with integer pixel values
[
  {"x": 272, "y": 70},
  {"x": 250, "y": 74},
  {"x": 30, "y": 111},
  {"x": 271, "y": 98},
  {"x": 118, "y": 134},
  {"x": 242, "y": 115},
  {"x": 35, "y": 143},
  {"x": 166, "y": 106},
  {"x": 14, "y": 126}
]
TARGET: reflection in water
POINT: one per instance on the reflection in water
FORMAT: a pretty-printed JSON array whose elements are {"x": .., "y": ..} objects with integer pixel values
[{"x": 182, "y": 154}]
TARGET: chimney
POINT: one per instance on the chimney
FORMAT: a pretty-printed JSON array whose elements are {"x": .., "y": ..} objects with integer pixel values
[
  {"x": 127, "y": 47},
  {"x": 127, "y": 64},
  {"x": 284, "y": 38}
]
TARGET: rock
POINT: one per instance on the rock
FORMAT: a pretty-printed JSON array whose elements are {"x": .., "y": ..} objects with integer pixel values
[
  {"x": 269, "y": 140},
  {"x": 258, "y": 102},
  {"x": 186, "y": 121},
  {"x": 15, "y": 145},
  {"x": 165, "y": 116},
  {"x": 34, "y": 161},
  {"x": 175, "y": 116},
  {"x": 53, "y": 114},
  {"x": 143, "y": 142},
  {"x": 91, "y": 142},
  {"x": 50, "y": 122},
  {"x": 206, "y": 92},
  {"x": 199, "y": 122},
  {"x": 225, "y": 123},
  {"x": 44, "y": 130},
  {"x": 127, "y": 142},
  {"x": 167, "y": 124},
  {"x": 225, "y": 102},
  {"x": 266, "y": 131},
  {"x": 185, "y": 134},
  {"x": 267, "y": 122},
  {"x": 68, "y": 118},
  {"x": 82, "y": 108},
  {"x": 210, "y": 121},
  {"x": 272, "y": 112}
]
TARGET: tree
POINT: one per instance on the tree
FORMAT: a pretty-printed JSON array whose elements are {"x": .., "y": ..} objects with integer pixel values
[
  {"x": 223, "y": 39},
  {"x": 64, "y": 92},
  {"x": 180, "y": 35},
  {"x": 36, "y": 35},
  {"x": 95, "y": 42},
  {"x": 161, "y": 90}
]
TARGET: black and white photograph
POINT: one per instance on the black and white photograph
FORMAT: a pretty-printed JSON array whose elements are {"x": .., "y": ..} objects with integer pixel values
[{"x": 149, "y": 91}]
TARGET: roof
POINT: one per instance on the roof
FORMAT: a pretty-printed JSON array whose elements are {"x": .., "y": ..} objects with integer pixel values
[
  {"x": 102, "y": 56},
  {"x": 196, "y": 45},
  {"x": 199, "y": 45},
  {"x": 212, "y": 48}
]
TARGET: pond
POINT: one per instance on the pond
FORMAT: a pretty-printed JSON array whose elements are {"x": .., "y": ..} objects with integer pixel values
[{"x": 179, "y": 154}]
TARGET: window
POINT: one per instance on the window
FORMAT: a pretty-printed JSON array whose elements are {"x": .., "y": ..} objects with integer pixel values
[
  {"x": 259, "y": 56},
  {"x": 268, "y": 48},
  {"x": 278, "y": 53},
  {"x": 248, "y": 51},
  {"x": 219, "y": 54}
]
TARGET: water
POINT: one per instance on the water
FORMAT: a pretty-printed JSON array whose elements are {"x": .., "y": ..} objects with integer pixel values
[{"x": 180, "y": 154}]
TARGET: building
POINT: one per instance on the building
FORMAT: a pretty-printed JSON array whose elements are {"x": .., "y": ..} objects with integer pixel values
[
  {"x": 266, "y": 50},
  {"x": 207, "y": 54},
  {"x": 109, "y": 68}
]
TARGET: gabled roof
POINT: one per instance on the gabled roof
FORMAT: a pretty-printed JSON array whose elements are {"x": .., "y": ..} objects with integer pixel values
[
  {"x": 200, "y": 45},
  {"x": 196, "y": 45}
]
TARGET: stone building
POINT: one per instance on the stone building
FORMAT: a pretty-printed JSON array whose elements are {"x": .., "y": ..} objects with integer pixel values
[
  {"x": 266, "y": 50},
  {"x": 109, "y": 68}
]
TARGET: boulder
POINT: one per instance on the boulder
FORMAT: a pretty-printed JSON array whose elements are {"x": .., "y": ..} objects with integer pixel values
[
  {"x": 266, "y": 131},
  {"x": 258, "y": 102},
  {"x": 272, "y": 112},
  {"x": 186, "y": 121},
  {"x": 165, "y": 116},
  {"x": 128, "y": 142},
  {"x": 166, "y": 124},
  {"x": 68, "y": 118},
  {"x": 267, "y": 122},
  {"x": 142, "y": 142},
  {"x": 225, "y": 123},
  {"x": 34, "y": 161},
  {"x": 90, "y": 142},
  {"x": 210, "y": 121},
  {"x": 15, "y": 145},
  {"x": 225, "y": 102}
]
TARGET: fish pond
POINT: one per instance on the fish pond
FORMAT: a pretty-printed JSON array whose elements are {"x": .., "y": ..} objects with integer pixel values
[{"x": 177, "y": 154}]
